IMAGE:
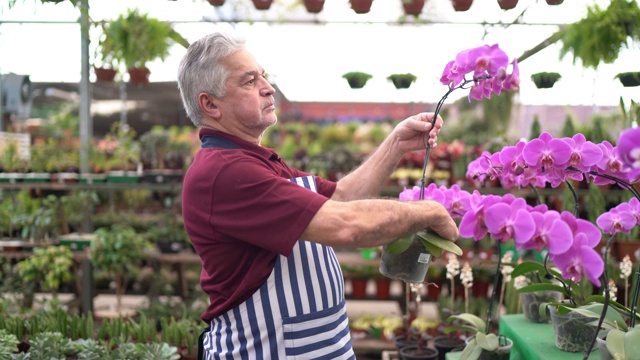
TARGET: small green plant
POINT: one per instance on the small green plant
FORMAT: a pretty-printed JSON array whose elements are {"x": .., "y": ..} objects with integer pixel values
[
  {"x": 480, "y": 341},
  {"x": 357, "y": 79},
  {"x": 49, "y": 265},
  {"x": 159, "y": 351},
  {"x": 8, "y": 344}
]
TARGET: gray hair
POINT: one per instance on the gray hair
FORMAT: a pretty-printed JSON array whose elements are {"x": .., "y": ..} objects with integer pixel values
[{"x": 201, "y": 70}]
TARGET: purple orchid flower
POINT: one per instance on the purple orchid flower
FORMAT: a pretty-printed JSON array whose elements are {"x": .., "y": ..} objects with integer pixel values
[
  {"x": 456, "y": 201},
  {"x": 507, "y": 221},
  {"x": 617, "y": 220},
  {"x": 431, "y": 192},
  {"x": 581, "y": 226},
  {"x": 580, "y": 258},
  {"x": 512, "y": 81},
  {"x": 546, "y": 152},
  {"x": 584, "y": 155},
  {"x": 472, "y": 224},
  {"x": 551, "y": 232},
  {"x": 610, "y": 164},
  {"x": 629, "y": 147}
]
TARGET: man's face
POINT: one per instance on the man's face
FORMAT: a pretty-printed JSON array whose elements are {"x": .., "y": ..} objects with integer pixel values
[{"x": 248, "y": 105}]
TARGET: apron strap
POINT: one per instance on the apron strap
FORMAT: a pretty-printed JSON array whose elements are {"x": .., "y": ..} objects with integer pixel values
[{"x": 201, "y": 343}]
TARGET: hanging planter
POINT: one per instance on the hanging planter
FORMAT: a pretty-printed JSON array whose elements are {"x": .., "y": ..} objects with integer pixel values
[
  {"x": 461, "y": 5},
  {"x": 262, "y": 4},
  {"x": 138, "y": 76},
  {"x": 361, "y": 6},
  {"x": 507, "y": 4},
  {"x": 629, "y": 79},
  {"x": 554, "y": 2},
  {"x": 357, "y": 79},
  {"x": 402, "y": 81},
  {"x": 545, "y": 80},
  {"x": 412, "y": 7},
  {"x": 216, "y": 2},
  {"x": 104, "y": 74},
  {"x": 314, "y": 6}
]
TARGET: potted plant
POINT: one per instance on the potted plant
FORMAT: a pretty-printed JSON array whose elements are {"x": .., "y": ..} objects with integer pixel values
[
  {"x": 105, "y": 64},
  {"x": 461, "y": 5},
  {"x": 357, "y": 79},
  {"x": 262, "y": 4},
  {"x": 8, "y": 344},
  {"x": 545, "y": 80},
  {"x": 361, "y": 6},
  {"x": 48, "y": 265},
  {"x": 507, "y": 4},
  {"x": 481, "y": 345},
  {"x": 73, "y": 210},
  {"x": 402, "y": 81},
  {"x": 629, "y": 79},
  {"x": 412, "y": 7},
  {"x": 118, "y": 250},
  {"x": 313, "y": 6},
  {"x": 134, "y": 39}
]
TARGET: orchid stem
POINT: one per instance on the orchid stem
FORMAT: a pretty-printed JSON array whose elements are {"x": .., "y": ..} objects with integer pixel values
[
  {"x": 634, "y": 301},
  {"x": 535, "y": 191},
  {"x": 576, "y": 203},
  {"x": 605, "y": 279},
  {"x": 567, "y": 289},
  {"x": 493, "y": 293}
]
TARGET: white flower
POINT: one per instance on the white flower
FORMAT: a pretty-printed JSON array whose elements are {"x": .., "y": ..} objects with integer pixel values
[
  {"x": 520, "y": 281},
  {"x": 626, "y": 267},
  {"x": 466, "y": 276},
  {"x": 613, "y": 289},
  {"x": 453, "y": 267},
  {"x": 506, "y": 269}
]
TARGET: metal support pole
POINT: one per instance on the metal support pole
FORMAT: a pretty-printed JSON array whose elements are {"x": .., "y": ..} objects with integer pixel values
[
  {"x": 86, "y": 128},
  {"x": 87, "y": 290}
]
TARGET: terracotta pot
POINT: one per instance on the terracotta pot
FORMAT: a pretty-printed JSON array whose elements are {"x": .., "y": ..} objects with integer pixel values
[
  {"x": 383, "y": 288},
  {"x": 361, "y": 6},
  {"x": 138, "y": 76},
  {"x": 104, "y": 74},
  {"x": 413, "y": 7},
  {"x": 359, "y": 288},
  {"x": 314, "y": 6},
  {"x": 262, "y": 4},
  {"x": 507, "y": 4},
  {"x": 216, "y": 2},
  {"x": 461, "y": 5},
  {"x": 554, "y": 2}
]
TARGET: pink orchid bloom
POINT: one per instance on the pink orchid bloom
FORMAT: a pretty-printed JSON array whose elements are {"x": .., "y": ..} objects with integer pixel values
[
  {"x": 512, "y": 81},
  {"x": 507, "y": 221},
  {"x": 609, "y": 164},
  {"x": 629, "y": 147},
  {"x": 472, "y": 224},
  {"x": 546, "y": 152},
  {"x": 617, "y": 220},
  {"x": 581, "y": 257},
  {"x": 551, "y": 232},
  {"x": 581, "y": 226}
]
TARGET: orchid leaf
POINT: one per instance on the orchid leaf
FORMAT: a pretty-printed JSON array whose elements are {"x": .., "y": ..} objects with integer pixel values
[
  {"x": 429, "y": 237},
  {"x": 488, "y": 342},
  {"x": 600, "y": 299},
  {"x": 432, "y": 249},
  {"x": 542, "y": 287},
  {"x": 471, "y": 351},
  {"x": 465, "y": 328},
  {"x": 595, "y": 310},
  {"x": 632, "y": 341},
  {"x": 531, "y": 266},
  {"x": 470, "y": 319},
  {"x": 399, "y": 246},
  {"x": 615, "y": 344}
]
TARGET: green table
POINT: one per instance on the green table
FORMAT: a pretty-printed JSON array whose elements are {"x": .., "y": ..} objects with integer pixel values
[{"x": 532, "y": 341}]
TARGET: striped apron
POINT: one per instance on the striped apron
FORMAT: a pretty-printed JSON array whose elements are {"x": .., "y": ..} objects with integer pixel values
[{"x": 298, "y": 313}]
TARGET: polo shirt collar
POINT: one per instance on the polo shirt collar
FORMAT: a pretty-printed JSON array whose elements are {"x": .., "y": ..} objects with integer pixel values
[{"x": 264, "y": 152}]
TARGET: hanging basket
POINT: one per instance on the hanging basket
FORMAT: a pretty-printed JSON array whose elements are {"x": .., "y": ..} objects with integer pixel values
[
  {"x": 314, "y": 6},
  {"x": 402, "y": 81},
  {"x": 507, "y": 4},
  {"x": 357, "y": 80},
  {"x": 554, "y": 2},
  {"x": 461, "y": 5},
  {"x": 361, "y": 6},
  {"x": 412, "y": 7},
  {"x": 216, "y": 2},
  {"x": 545, "y": 80},
  {"x": 138, "y": 76},
  {"x": 629, "y": 79},
  {"x": 262, "y": 4},
  {"x": 104, "y": 74}
]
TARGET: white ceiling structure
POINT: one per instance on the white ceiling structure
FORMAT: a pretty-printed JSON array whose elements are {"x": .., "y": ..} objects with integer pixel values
[{"x": 307, "y": 54}]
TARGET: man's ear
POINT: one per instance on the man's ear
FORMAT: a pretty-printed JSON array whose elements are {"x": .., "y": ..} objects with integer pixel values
[{"x": 208, "y": 104}]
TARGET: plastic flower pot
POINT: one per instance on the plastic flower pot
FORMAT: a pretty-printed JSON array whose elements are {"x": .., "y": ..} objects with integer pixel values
[
  {"x": 531, "y": 303},
  {"x": 414, "y": 352},
  {"x": 410, "y": 265},
  {"x": 573, "y": 332},
  {"x": 445, "y": 344}
]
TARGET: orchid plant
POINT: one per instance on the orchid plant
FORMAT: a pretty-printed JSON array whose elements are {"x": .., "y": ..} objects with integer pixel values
[{"x": 487, "y": 65}]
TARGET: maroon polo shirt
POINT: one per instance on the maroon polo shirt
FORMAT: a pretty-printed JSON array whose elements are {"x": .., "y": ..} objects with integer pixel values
[{"x": 240, "y": 211}]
